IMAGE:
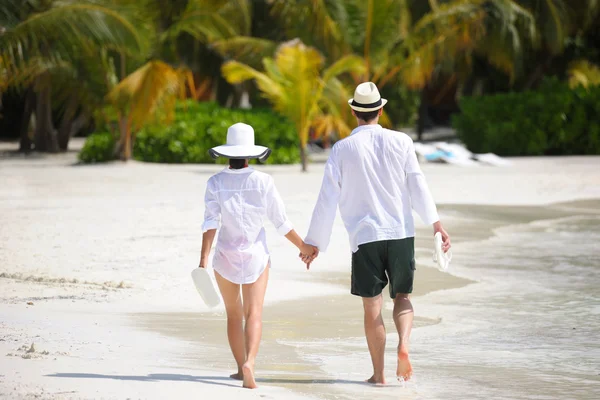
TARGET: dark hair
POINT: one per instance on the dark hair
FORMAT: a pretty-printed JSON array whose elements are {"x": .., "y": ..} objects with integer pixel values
[
  {"x": 237, "y": 163},
  {"x": 367, "y": 115}
]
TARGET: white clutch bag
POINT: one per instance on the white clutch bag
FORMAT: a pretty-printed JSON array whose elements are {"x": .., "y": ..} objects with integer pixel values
[
  {"x": 205, "y": 286},
  {"x": 442, "y": 259}
]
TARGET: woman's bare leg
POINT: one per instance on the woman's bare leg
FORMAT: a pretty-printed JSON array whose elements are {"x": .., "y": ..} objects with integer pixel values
[
  {"x": 235, "y": 319},
  {"x": 254, "y": 296}
]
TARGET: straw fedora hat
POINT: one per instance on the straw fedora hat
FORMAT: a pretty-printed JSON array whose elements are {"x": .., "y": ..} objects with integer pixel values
[
  {"x": 240, "y": 144},
  {"x": 366, "y": 98}
]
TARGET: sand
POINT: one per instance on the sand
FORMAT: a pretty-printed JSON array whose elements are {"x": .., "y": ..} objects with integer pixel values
[{"x": 95, "y": 264}]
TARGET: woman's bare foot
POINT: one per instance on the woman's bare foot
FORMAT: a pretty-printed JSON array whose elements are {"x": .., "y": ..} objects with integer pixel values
[
  {"x": 238, "y": 376},
  {"x": 248, "y": 376},
  {"x": 404, "y": 370},
  {"x": 376, "y": 380}
]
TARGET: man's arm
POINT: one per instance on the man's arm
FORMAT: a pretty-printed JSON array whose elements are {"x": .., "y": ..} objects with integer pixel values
[
  {"x": 421, "y": 198},
  {"x": 321, "y": 225}
]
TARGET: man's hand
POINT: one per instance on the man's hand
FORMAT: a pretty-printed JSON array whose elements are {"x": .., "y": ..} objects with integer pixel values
[
  {"x": 437, "y": 227},
  {"x": 308, "y": 254}
]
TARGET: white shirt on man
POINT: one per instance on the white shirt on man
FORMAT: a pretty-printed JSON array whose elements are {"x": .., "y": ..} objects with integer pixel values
[
  {"x": 374, "y": 176},
  {"x": 237, "y": 201}
]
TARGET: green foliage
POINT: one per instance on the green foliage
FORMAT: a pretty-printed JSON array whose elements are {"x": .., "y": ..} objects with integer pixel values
[
  {"x": 403, "y": 106},
  {"x": 201, "y": 126},
  {"x": 197, "y": 128},
  {"x": 98, "y": 147},
  {"x": 552, "y": 120}
]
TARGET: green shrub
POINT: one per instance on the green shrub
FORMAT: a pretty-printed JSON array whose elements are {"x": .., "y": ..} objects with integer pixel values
[
  {"x": 554, "y": 120},
  {"x": 98, "y": 147},
  {"x": 197, "y": 127},
  {"x": 201, "y": 126}
]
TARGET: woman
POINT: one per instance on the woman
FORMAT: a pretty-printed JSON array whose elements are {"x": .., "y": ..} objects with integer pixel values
[{"x": 237, "y": 201}]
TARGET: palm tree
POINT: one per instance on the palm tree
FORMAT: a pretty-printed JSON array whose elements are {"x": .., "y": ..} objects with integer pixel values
[
  {"x": 373, "y": 29},
  {"x": 169, "y": 73},
  {"x": 299, "y": 88},
  {"x": 557, "y": 21},
  {"x": 450, "y": 38},
  {"x": 39, "y": 39}
]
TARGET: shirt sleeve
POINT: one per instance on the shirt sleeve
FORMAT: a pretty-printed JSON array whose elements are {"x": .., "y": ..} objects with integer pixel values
[
  {"x": 276, "y": 210},
  {"x": 212, "y": 209},
  {"x": 321, "y": 224},
  {"x": 420, "y": 196}
]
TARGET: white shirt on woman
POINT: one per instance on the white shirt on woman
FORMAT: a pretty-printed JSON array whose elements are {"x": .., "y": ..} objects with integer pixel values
[
  {"x": 237, "y": 201},
  {"x": 374, "y": 176}
]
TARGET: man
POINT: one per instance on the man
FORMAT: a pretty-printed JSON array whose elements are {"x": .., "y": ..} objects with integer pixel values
[{"x": 375, "y": 178}]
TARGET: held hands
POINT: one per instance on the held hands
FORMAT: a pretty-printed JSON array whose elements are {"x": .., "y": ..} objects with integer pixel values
[
  {"x": 437, "y": 227},
  {"x": 308, "y": 254}
]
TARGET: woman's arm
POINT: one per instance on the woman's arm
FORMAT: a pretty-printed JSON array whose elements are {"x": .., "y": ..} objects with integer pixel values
[
  {"x": 207, "y": 240},
  {"x": 307, "y": 252}
]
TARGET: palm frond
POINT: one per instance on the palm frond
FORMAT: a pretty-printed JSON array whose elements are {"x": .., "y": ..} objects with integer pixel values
[
  {"x": 449, "y": 37},
  {"x": 236, "y": 72},
  {"x": 203, "y": 25},
  {"x": 145, "y": 90},
  {"x": 246, "y": 49},
  {"x": 349, "y": 63},
  {"x": 11, "y": 13},
  {"x": 319, "y": 23},
  {"x": 67, "y": 27},
  {"x": 553, "y": 18},
  {"x": 583, "y": 73}
]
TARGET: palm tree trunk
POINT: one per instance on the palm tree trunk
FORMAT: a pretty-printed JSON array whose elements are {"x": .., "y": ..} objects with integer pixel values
[
  {"x": 304, "y": 158},
  {"x": 64, "y": 131},
  {"x": 25, "y": 142},
  {"x": 422, "y": 115},
  {"x": 123, "y": 149},
  {"x": 45, "y": 136}
]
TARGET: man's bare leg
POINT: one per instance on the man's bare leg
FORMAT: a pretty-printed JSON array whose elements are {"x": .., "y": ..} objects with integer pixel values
[
  {"x": 254, "y": 296},
  {"x": 235, "y": 321},
  {"x": 403, "y": 318},
  {"x": 375, "y": 333}
]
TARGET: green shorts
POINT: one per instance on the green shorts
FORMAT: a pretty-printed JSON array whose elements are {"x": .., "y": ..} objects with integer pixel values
[{"x": 376, "y": 263}]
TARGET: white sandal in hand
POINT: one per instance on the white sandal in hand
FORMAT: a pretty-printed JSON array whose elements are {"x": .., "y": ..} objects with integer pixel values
[
  {"x": 205, "y": 287},
  {"x": 442, "y": 259}
]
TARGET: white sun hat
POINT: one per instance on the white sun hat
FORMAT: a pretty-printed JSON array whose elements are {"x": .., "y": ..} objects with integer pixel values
[
  {"x": 240, "y": 144},
  {"x": 366, "y": 98}
]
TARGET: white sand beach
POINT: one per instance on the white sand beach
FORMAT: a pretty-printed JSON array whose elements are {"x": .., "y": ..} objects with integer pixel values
[{"x": 95, "y": 266}]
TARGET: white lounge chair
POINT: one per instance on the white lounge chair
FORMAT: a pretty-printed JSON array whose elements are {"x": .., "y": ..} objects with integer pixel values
[
  {"x": 431, "y": 153},
  {"x": 462, "y": 152}
]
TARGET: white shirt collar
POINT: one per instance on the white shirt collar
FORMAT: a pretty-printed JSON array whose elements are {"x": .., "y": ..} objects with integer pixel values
[
  {"x": 246, "y": 170},
  {"x": 363, "y": 127}
]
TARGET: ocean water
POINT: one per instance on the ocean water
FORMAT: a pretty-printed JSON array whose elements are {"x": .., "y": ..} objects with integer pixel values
[{"x": 531, "y": 327}]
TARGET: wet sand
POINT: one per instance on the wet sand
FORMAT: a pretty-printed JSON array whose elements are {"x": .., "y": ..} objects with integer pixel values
[{"x": 333, "y": 320}]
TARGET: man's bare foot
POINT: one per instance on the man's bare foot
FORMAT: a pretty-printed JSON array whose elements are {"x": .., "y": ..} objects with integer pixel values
[
  {"x": 248, "y": 376},
  {"x": 376, "y": 380},
  {"x": 404, "y": 370},
  {"x": 238, "y": 376}
]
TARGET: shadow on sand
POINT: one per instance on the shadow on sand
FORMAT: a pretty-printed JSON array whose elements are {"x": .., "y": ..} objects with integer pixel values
[{"x": 211, "y": 380}]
